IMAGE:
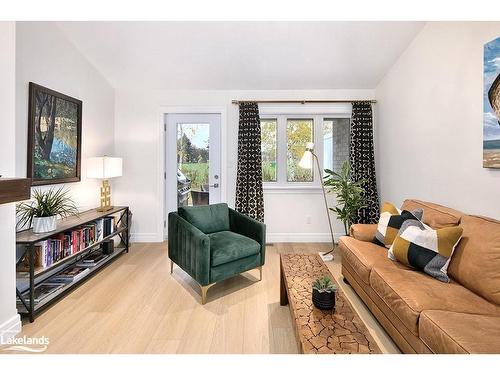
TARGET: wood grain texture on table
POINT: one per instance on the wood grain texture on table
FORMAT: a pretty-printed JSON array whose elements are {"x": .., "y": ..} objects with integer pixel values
[{"x": 339, "y": 331}]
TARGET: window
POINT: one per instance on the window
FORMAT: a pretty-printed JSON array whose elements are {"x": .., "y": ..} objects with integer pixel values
[
  {"x": 269, "y": 132},
  {"x": 299, "y": 132},
  {"x": 284, "y": 139},
  {"x": 335, "y": 143}
]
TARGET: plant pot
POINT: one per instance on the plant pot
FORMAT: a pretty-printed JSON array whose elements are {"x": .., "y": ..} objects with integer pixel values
[
  {"x": 323, "y": 300},
  {"x": 44, "y": 224}
]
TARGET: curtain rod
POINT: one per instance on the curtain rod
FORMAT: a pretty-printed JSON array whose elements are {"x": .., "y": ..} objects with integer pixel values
[{"x": 305, "y": 101}]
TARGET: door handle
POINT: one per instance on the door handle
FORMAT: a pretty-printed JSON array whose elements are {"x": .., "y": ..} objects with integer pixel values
[{"x": 214, "y": 185}]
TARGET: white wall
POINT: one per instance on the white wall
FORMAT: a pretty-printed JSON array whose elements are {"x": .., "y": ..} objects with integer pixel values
[
  {"x": 429, "y": 139},
  {"x": 10, "y": 322},
  {"x": 138, "y": 132},
  {"x": 46, "y": 57}
]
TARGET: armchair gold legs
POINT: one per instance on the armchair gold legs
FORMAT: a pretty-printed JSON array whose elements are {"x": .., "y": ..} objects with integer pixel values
[{"x": 204, "y": 289}]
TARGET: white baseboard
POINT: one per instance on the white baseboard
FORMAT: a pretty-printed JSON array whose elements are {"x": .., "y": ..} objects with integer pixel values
[
  {"x": 301, "y": 237},
  {"x": 145, "y": 237},
  {"x": 10, "y": 328}
]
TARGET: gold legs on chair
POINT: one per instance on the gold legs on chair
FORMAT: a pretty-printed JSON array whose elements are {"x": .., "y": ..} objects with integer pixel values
[{"x": 204, "y": 290}]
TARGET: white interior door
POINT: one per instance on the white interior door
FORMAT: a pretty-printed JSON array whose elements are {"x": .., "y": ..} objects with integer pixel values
[{"x": 192, "y": 160}]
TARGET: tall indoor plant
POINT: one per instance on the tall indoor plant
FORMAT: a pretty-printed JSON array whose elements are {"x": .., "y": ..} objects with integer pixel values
[
  {"x": 43, "y": 209},
  {"x": 349, "y": 194}
]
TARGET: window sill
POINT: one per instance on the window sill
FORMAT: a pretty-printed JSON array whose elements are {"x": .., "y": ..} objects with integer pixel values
[{"x": 287, "y": 189}]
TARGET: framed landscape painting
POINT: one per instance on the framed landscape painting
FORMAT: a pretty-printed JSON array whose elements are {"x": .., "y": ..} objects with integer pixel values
[
  {"x": 491, "y": 107},
  {"x": 54, "y": 136}
]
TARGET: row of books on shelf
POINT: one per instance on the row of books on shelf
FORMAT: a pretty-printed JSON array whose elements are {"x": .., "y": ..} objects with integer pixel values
[
  {"x": 71, "y": 242},
  {"x": 67, "y": 276}
]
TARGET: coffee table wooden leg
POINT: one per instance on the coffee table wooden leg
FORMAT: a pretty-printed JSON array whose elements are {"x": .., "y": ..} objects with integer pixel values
[{"x": 283, "y": 292}]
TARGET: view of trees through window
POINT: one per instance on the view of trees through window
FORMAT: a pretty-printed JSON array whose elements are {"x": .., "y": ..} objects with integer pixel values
[
  {"x": 193, "y": 153},
  {"x": 269, "y": 128},
  {"x": 299, "y": 132}
]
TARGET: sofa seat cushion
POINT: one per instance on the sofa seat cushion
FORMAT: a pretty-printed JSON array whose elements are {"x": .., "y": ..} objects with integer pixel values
[
  {"x": 452, "y": 333},
  {"x": 407, "y": 293},
  {"x": 363, "y": 256},
  {"x": 228, "y": 246}
]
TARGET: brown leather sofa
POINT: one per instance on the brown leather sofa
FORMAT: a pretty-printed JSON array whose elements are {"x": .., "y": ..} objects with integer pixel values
[{"x": 420, "y": 313}]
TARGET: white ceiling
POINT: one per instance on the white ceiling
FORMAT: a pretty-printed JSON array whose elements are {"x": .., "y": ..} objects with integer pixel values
[{"x": 242, "y": 55}]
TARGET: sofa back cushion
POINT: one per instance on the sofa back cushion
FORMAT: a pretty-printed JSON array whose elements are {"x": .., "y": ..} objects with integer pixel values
[
  {"x": 435, "y": 215},
  {"x": 476, "y": 261},
  {"x": 209, "y": 219}
]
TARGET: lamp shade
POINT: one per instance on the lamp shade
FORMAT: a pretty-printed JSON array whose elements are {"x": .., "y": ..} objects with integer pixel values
[
  {"x": 104, "y": 167},
  {"x": 306, "y": 161}
]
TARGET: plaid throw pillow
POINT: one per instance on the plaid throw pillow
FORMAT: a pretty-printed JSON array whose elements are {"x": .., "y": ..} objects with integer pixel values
[
  {"x": 426, "y": 249},
  {"x": 391, "y": 220}
]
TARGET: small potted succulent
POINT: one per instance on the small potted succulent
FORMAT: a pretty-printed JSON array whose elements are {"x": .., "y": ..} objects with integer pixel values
[
  {"x": 323, "y": 295},
  {"x": 42, "y": 211}
]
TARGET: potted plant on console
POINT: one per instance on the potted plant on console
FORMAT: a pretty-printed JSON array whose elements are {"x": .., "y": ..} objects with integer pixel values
[
  {"x": 323, "y": 295},
  {"x": 42, "y": 211}
]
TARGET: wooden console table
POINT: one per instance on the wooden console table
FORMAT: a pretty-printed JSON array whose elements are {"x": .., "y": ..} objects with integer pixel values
[
  {"x": 340, "y": 331},
  {"x": 35, "y": 275}
]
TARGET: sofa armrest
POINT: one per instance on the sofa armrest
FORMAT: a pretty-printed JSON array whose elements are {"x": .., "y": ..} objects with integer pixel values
[
  {"x": 189, "y": 248},
  {"x": 248, "y": 227},
  {"x": 363, "y": 232}
]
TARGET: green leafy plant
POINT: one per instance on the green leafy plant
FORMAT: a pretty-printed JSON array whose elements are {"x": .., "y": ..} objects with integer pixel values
[
  {"x": 44, "y": 204},
  {"x": 349, "y": 194},
  {"x": 324, "y": 285}
]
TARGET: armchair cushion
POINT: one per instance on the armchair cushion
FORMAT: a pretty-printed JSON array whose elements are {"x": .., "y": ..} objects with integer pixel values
[
  {"x": 209, "y": 219},
  {"x": 228, "y": 246}
]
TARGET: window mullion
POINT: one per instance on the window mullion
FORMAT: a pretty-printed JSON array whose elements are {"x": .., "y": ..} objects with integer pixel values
[{"x": 282, "y": 148}]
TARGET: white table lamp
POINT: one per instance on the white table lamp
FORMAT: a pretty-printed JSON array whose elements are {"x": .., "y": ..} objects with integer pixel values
[{"x": 104, "y": 168}]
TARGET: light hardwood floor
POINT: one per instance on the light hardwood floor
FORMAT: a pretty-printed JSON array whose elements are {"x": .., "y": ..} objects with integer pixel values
[{"x": 136, "y": 306}]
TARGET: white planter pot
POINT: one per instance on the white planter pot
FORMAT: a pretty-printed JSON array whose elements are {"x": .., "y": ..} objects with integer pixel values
[{"x": 44, "y": 224}]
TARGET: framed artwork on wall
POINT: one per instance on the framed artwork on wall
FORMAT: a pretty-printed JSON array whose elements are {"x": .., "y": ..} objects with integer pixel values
[
  {"x": 491, "y": 106},
  {"x": 54, "y": 137}
]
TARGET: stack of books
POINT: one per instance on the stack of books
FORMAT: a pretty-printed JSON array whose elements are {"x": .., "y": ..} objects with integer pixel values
[
  {"x": 70, "y": 275},
  {"x": 68, "y": 243},
  {"x": 92, "y": 260},
  {"x": 42, "y": 291}
]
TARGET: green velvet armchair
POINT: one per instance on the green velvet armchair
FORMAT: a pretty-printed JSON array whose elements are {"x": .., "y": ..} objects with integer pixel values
[{"x": 214, "y": 242}]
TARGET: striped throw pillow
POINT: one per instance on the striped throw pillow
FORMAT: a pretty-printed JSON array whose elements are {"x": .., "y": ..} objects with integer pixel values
[
  {"x": 426, "y": 249},
  {"x": 391, "y": 220}
]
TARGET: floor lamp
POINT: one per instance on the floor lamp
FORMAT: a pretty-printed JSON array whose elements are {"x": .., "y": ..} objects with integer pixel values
[{"x": 306, "y": 162}]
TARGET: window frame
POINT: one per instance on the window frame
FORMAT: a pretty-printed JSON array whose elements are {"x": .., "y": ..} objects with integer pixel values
[{"x": 318, "y": 115}]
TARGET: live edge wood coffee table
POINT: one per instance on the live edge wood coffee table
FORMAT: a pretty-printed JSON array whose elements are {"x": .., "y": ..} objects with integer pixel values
[{"x": 339, "y": 331}]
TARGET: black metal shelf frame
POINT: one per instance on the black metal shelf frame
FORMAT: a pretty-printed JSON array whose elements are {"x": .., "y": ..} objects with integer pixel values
[{"x": 123, "y": 231}]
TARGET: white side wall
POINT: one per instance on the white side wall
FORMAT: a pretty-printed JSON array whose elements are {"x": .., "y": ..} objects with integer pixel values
[
  {"x": 138, "y": 137},
  {"x": 10, "y": 322},
  {"x": 46, "y": 57},
  {"x": 430, "y": 116}
]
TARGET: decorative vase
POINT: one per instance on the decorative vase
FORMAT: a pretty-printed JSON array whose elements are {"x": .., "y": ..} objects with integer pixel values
[
  {"x": 323, "y": 300},
  {"x": 44, "y": 224}
]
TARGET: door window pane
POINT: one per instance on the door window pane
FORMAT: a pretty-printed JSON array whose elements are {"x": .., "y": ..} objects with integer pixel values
[
  {"x": 268, "y": 146},
  {"x": 299, "y": 133},
  {"x": 192, "y": 164}
]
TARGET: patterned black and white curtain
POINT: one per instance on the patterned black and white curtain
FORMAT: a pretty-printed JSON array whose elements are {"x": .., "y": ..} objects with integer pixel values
[
  {"x": 362, "y": 160},
  {"x": 249, "y": 194}
]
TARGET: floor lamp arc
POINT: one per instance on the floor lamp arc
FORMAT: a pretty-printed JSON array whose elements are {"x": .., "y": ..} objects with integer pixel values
[{"x": 307, "y": 162}]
